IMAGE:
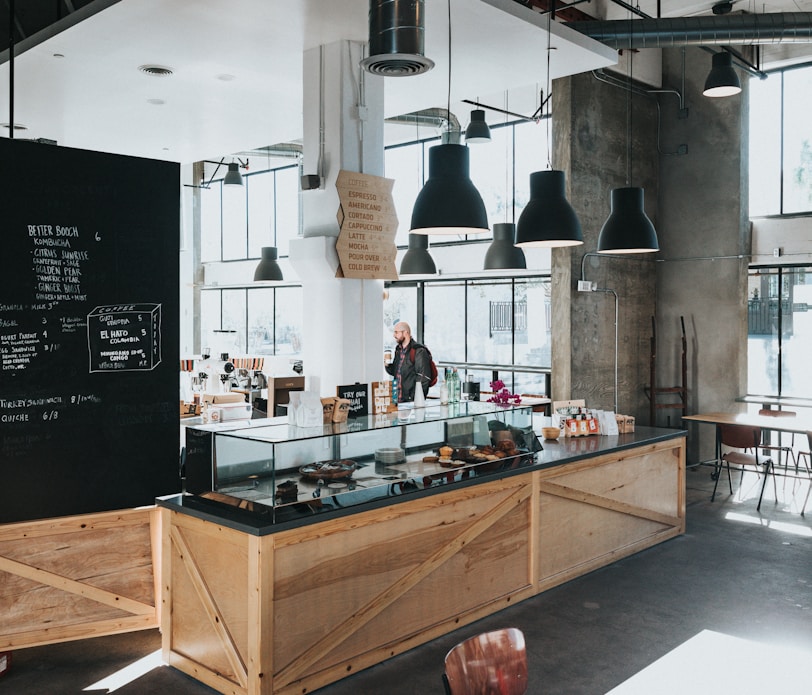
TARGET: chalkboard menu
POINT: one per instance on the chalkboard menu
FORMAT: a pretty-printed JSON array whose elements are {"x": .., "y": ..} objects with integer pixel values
[
  {"x": 88, "y": 331},
  {"x": 358, "y": 396}
]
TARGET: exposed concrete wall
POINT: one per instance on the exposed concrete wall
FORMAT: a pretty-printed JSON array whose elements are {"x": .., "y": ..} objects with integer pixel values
[
  {"x": 590, "y": 138},
  {"x": 704, "y": 239}
]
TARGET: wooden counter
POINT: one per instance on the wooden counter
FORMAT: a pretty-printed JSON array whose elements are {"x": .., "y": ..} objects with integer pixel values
[{"x": 256, "y": 611}]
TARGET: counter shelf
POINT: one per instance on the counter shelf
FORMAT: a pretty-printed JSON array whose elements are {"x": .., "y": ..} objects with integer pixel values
[{"x": 258, "y": 467}]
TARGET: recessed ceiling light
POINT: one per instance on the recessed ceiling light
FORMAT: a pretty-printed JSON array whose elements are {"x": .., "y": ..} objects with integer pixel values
[
  {"x": 156, "y": 102},
  {"x": 226, "y": 77},
  {"x": 17, "y": 126},
  {"x": 156, "y": 70}
]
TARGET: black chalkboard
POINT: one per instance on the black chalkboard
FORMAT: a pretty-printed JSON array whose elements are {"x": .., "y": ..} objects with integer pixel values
[
  {"x": 88, "y": 331},
  {"x": 358, "y": 396}
]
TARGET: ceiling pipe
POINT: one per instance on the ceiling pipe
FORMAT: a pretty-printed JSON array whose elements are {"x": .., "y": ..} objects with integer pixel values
[
  {"x": 431, "y": 118},
  {"x": 743, "y": 29}
]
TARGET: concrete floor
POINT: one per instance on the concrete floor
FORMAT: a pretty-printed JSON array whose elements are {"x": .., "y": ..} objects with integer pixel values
[{"x": 735, "y": 572}]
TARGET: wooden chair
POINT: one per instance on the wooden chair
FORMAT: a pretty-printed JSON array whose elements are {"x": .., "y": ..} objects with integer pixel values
[
  {"x": 741, "y": 437},
  {"x": 493, "y": 663},
  {"x": 788, "y": 451}
]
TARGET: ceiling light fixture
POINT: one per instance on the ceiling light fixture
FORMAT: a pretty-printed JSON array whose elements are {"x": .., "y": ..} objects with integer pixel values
[
  {"x": 722, "y": 80},
  {"x": 628, "y": 229},
  {"x": 268, "y": 269},
  {"x": 417, "y": 260},
  {"x": 548, "y": 220},
  {"x": 449, "y": 203},
  {"x": 477, "y": 131},
  {"x": 502, "y": 254},
  {"x": 233, "y": 176}
]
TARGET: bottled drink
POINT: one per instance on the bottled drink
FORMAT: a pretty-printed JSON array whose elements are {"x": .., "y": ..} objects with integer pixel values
[{"x": 455, "y": 387}]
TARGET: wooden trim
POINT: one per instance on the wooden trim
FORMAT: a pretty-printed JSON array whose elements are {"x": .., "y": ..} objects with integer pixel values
[
  {"x": 213, "y": 612},
  {"x": 570, "y": 493},
  {"x": 71, "y": 586},
  {"x": 65, "y": 633},
  {"x": 73, "y": 524}
]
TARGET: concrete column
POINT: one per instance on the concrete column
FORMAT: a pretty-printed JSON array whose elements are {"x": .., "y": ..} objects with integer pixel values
[
  {"x": 704, "y": 235},
  {"x": 343, "y": 129},
  {"x": 590, "y": 140}
]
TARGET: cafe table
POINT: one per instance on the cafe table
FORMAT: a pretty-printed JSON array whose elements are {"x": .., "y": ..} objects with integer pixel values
[{"x": 793, "y": 424}]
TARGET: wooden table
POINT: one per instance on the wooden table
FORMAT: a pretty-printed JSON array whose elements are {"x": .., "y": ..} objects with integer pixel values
[{"x": 786, "y": 423}]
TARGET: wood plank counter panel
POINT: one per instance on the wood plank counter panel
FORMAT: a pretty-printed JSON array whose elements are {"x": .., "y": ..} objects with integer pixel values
[
  {"x": 596, "y": 511},
  {"x": 76, "y": 577},
  {"x": 290, "y": 611}
]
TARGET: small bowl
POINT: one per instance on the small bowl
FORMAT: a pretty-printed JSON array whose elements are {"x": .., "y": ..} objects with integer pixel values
[{"x": 551, "y": 432}]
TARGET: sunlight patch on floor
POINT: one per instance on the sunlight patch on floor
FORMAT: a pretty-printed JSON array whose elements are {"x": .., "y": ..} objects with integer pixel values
[{"x": 128, "y": 674}]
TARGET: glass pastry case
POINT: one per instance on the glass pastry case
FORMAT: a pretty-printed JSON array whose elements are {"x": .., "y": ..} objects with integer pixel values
[{"x": 282, "y": 471}]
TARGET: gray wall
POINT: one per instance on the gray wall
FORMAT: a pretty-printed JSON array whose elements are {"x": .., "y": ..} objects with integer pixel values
[
  {"x": 698, "y": 203},
  {"x": 704, "y": 238}
]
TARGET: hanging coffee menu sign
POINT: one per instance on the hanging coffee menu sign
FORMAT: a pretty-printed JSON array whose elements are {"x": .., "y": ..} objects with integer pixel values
[
  {"x": 368, "y": 225},
  {"x": 89, "y": 278}
]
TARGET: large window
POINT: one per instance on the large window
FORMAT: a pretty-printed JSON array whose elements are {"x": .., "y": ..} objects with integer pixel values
[
  {"x": 781, "y": 143},
  {"x": 779, "y": 318},
  {"x": 500, "y": 325},
  {"x": 253, "y": 321},
  {"x": 237, "y": 221}
]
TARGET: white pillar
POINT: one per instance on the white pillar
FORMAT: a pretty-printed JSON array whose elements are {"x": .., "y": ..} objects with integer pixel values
[{"x": 343, "y": 129}]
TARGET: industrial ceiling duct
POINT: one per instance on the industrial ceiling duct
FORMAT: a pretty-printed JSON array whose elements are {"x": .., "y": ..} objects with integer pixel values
[
  {"x": 396, "y": 39},
  {"x": 724, "y": 30}
]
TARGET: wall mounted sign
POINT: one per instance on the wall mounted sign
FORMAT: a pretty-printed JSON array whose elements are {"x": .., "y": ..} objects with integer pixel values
[{"x": 368, "y": 224}]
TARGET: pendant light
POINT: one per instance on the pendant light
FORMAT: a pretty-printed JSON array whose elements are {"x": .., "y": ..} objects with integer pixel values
[
  {"x": 502, "y": 254},
  {"x": 417, "y": 260},
  {"x": 449, "y": 203},
  {"x": 548, "y": 220},
  {"x": 268, "y": 269},
  {"x": 233, "y": 176},
  {"x": 477, "y": 131},
  {"x": 722, "y": 80},
  {"x": 628, "y": 229}
]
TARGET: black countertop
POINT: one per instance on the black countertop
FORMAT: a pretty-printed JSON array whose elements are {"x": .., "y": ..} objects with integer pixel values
[{"x": 262, "y": 520}]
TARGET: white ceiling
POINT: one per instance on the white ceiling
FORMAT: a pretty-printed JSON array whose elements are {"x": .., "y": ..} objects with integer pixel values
[
  {"x": 237, "y": 70},
  {"x": 237, "y": 82}
]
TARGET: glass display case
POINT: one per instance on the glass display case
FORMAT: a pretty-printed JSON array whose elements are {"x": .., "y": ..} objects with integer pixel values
[{"x": 281, "y": 471}]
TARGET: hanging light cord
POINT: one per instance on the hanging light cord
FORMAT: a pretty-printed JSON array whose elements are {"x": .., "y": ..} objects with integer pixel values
[
  {"x": 448, "y": 103},
  {"x": 629, "y": 108},
  {"x": 549, "y": 89}
]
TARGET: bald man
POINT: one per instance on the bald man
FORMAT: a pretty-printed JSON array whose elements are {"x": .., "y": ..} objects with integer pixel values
[{"x": 405, "y": 369}]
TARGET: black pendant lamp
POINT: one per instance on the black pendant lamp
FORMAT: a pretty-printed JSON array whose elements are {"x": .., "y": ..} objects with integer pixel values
[
  {"x": 477, "y": 131},
  {"x": 548, "y": 219},
  {"x": 417, "y": 260},
  {"x": 268, "y": 269},
  {"x": 502, "y": 254},
  {"x": 233, "y": 176},
  {"x": 627, "y": 229},
  {"x": 722, "y": 80},
  {"x": 449, "y": 203}
]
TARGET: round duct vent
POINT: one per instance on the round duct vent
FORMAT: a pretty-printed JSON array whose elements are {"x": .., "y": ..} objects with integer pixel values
[
  {"x": 396, "y": 39},
  {"x": 157, "y": 70},
  {"x": 397, "y": 64}
]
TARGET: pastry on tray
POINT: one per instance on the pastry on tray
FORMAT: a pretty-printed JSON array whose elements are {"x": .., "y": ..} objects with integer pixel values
[{"x": 329, "y": 470}]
